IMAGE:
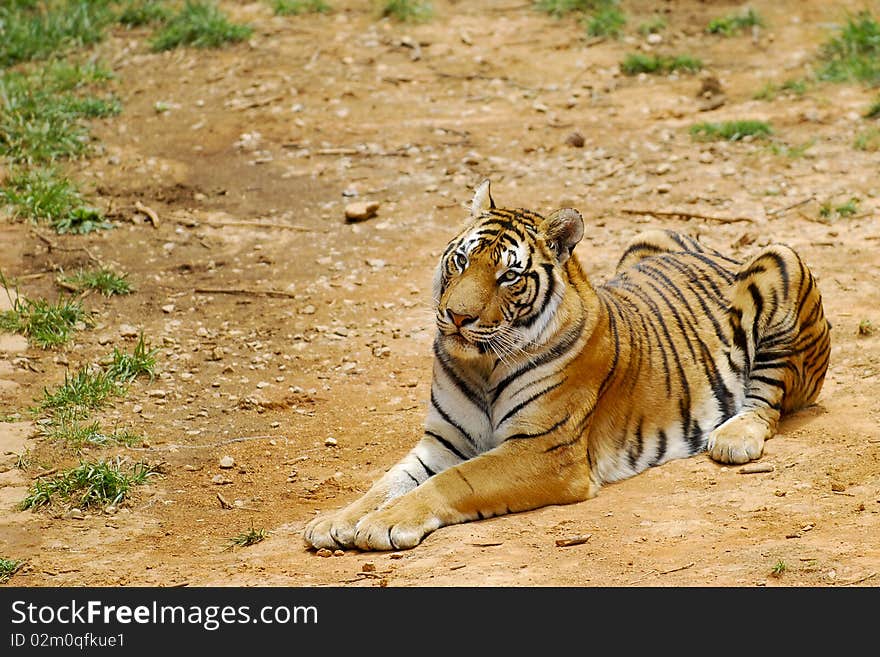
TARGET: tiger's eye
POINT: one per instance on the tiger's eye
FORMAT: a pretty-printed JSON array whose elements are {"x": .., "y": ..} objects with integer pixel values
[
  {"x": 459, "y": 260},
  {"x": 509, "y": 276}
]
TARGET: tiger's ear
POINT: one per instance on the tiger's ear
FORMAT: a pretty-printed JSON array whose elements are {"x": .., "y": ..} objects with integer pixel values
[
  {"x": 482, "y": 199},
  {"x": 563, "y": 229}
]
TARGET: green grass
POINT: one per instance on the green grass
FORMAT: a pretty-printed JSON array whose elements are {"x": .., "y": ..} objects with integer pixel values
[
  {"x": 125, "y": 368},
  {"x": 607, "y": 21},
  {"x": 39, "y": 30},
  {"x": 830, "y": 210},
  {"x": 250, "y": 537},
  {"x": 88, "y": 388},
  {"x": 731, "y": 130},
  {"x": 789, "y": 151},
  {"x": 136, "y": 13},
  {"x": 874, "y": 110},
  {"x": 44, "y": 324},
  {"x": 866, "y": 328},
  {"x": 66, "y": 427},
  {"x": 407, "y": 11},
  {"x": 297, "y": 7},
  {"x": 42, "y": 195},
  {"x": 43, "y": 111},
  {"x": 91, "y": 484},
  {"x": 854, "y": 54},
  {"x": 652, "y": 26},
  {"x": 201, "y": 25},
  {"x": 8, "y": 568},
  {"x": 779, "y": 569},
  {"x": 868, "y": 140},
  {"x": 104, "y": 280},
  {"x": 735, "y": 23},
  {"x": 559, "y": 8},
  {"x": 791, "y": 87},
  {"x": 636, "y": 63}
]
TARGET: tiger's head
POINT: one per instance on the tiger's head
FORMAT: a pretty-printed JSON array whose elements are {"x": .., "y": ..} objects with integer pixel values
[{"x": 500, "y": 281}]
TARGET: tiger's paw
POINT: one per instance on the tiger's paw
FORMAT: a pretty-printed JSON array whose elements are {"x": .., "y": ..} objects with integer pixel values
[
  {"x": 739, "y": 440},
  {"x": 395, "y": 527},
  {"x": 332, "y": 531}
]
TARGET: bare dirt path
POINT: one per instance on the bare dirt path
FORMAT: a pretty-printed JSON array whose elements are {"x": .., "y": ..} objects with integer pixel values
[{"x": 274, "y": 338}]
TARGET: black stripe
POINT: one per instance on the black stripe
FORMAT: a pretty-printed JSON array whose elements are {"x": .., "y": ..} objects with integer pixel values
[
  {"x": 430, "y": 472},
  {"x": 520, "y": 436},
  {"x": 448, "y": 445},
  {"x": 528, "y": 401}
]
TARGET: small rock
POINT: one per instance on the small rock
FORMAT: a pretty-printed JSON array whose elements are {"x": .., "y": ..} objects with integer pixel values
[
  {"x": 75, "y": 514},
  {"x": 728, "y": 170},
  {"x": 664, "y": 188},
  {"x": 308, "y": 310},
  {"x": 706, "y": 157},
  {"x": 575, "y": 139},
  {"x": 216, "y": 353},
  {"x": 338, "y": 553},
  {"x": 220, "y": 480},
  {"x": 837, "y": 487},
  {"x": 156, "y": 393},
  {"x": 128, "y": 331},
  {"x": 361, "y": 211},
  {"x": 331, "y": 442},
  {"x": 663, "y": 167},
  {"x": 168, "y": 308},
  {"x": 368, "y": 567},
  {"x": 654, "y": 38},
  {"x": 324, "y": 552},
  {"x": 227, "y": 462},
  {"x": 375, "y": 263}
]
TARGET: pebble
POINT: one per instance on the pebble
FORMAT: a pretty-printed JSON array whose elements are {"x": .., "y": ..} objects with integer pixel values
[
  {"x": 663, "y": 167},
  {"x": 728, "y": 170},
  {"x": 227, "y": 462},
  {"x": 308, "y": 310},
  {"x": 156, "y": 393},
  {"x": 706, "y": 157},
  {"x": 168, "y": 308},
  {"x": 220, "y": 479},
  {"x": 575, "y": 139},
  {"x": 664, "y": 188},
  {"x": 361, "y": 211},
  {"x": 128, "y": 331},
  {"x": 331, "y": 442},
  {"x": 338, "y": 553},
  {"x": 324, "y": 552},
  {"x": 368, "y": 567}
]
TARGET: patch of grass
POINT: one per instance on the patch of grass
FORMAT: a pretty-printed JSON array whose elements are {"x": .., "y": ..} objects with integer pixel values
[
  {"x": 636, "y": 63},
  {"x": 88, "y": 388},
  {"x": 791, "y": 87},
  {"x": 731, "y": 130},
  {"x": 201, "y": 25},
  {"x": 652, "y": 26},
  {"x": 874, "y": 110},
  {"x": 854, "y": 54},
  {"x": 136, "y": 13},
  {"x": 407, "y": 11},
  {"x": 607, "y": 21},
  {"x": 868, "y": 140},
  {"x": 829, "y": 210},
  {"x": 559, "y": 8},
  {"x": 90, "y": 484},
  {"x": 250, "y": 537},
  {"x": 789, "y": 151},
  {"x": 65, "y": 427},
  {"x": 779, "y": 569},
  {"x": 42, "y": 111},
  {"x": 866, "y": 328},
  {"x": 105, "y": 280},
  {"x": 38, "y": 30},
  {"x": 43, "y": 323},
  {"x": 8, "y": 568},
  {"x": 41, "y": 195},
  {"x": 125, "y": 368},
  {"x": 297, "y": 7},
  {"x": 735, "y": 23}
]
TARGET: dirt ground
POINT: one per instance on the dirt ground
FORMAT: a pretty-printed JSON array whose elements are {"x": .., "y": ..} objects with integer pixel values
[{"x": 274, "y": 338}]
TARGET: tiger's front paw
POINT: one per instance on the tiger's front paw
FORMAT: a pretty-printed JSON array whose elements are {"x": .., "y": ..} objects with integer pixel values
[
  {"x": 332, "y": 531},
  {"x": 399, "y": 526},
  {"x": 739, "y": 440}
]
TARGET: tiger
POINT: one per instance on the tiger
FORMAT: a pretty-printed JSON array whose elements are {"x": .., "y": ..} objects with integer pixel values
[{"x": 545, "y": 387}]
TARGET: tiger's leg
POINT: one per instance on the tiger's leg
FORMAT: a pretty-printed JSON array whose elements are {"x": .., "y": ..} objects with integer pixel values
[
  {"x": 781, "y": 339},
  {"x": 519, "y": 474},
  {"x": 337, "y": 529}
]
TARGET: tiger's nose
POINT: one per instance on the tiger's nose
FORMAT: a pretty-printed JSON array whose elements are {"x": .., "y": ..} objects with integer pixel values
[{"x": 459, "y": 320}]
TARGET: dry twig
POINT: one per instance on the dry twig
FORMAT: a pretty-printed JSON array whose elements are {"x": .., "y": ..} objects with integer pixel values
[{"x": 685, "y": 215}]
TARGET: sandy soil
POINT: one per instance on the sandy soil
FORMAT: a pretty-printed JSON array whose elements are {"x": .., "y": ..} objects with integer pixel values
[{"x": 274, "y": 338}]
